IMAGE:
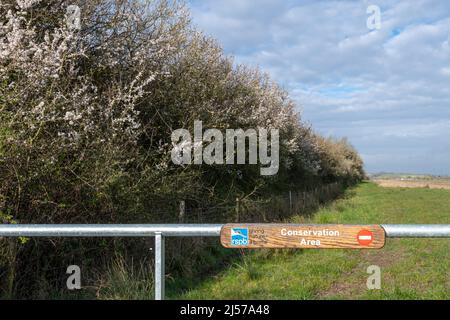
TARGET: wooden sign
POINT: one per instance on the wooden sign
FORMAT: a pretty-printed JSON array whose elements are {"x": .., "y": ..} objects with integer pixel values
[{"x": 302, "y": 236}]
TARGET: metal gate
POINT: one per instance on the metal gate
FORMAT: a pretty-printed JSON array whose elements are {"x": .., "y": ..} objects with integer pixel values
[{"x": 161, "y": 231}]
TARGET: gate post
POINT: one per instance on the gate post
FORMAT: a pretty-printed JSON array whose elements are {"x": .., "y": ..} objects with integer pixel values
[{"x": 159, "y": 266}]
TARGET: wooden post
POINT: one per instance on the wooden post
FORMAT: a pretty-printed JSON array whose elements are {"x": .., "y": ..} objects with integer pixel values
[
  {"x": 182, "y": 211},
  {"x": 304, "y": 201},
  {"x": 238, "y": 208},
  {"x": 290, "y": 202}
]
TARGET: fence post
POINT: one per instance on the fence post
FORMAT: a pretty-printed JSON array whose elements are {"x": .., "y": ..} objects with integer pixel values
[
  {"x": 304, "y": 201},
  {"x": 159, "y": 266},
  {"x": 290, "y": 202},
  {"x": 182, "y": 211},
  {"x": 238, "y": 209}
]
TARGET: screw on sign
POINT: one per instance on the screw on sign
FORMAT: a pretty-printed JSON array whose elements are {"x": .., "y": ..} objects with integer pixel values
[{"x": 365, "y": 237}]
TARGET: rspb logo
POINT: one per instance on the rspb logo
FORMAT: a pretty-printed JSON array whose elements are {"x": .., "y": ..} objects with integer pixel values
[{"x": 239, "y": 236}]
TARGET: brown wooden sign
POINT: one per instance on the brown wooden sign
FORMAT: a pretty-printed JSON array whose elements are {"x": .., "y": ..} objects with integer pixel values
[{"x": 302, "y": 236}]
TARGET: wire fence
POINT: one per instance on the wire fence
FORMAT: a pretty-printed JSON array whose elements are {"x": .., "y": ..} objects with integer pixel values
[{"x": 256, "y": 209}]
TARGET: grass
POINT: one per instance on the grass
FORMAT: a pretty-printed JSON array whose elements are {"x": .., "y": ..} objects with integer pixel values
[
  {"x": 411, "y": 268},
  {"x": 127, "y": 281}
]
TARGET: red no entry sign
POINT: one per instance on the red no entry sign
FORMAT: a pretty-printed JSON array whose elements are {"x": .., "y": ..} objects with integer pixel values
[{"x": 365, "y": 237}]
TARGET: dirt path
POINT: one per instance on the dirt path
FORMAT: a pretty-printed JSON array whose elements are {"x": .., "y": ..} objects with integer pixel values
[{"x": 353, "y": 284}]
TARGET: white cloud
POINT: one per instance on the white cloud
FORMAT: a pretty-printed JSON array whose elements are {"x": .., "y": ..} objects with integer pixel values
[{"x": 385, "y": 86}]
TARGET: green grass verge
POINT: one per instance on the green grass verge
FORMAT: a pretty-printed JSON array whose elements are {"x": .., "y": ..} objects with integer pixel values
[{"x": 411, "y": 268}]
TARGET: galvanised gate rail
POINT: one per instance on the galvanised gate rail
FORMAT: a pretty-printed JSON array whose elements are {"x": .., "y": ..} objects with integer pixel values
[{"x": 160, "y": 231}]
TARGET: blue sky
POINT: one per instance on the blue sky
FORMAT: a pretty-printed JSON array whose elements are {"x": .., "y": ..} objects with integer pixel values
[{"x": 387, "y": 90}]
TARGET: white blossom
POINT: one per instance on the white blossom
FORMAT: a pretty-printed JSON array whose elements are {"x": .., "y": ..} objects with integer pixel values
[{"x": 26, "y": 4}]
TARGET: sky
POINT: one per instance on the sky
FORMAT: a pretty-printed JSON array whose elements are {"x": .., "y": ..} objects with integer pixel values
[{"x": 386, "y": 89}]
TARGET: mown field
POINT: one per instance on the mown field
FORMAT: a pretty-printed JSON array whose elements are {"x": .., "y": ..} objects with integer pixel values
[
  {"x": 422, "y": 183},
  {"x": 411, "y": 268}
]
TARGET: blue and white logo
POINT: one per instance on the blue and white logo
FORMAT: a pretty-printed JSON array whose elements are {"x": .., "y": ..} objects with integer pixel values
[{"x": 239, "y": 236}]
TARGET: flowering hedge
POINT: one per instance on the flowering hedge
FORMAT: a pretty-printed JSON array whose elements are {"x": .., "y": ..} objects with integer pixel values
[{"x": 87, "y": 112}]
